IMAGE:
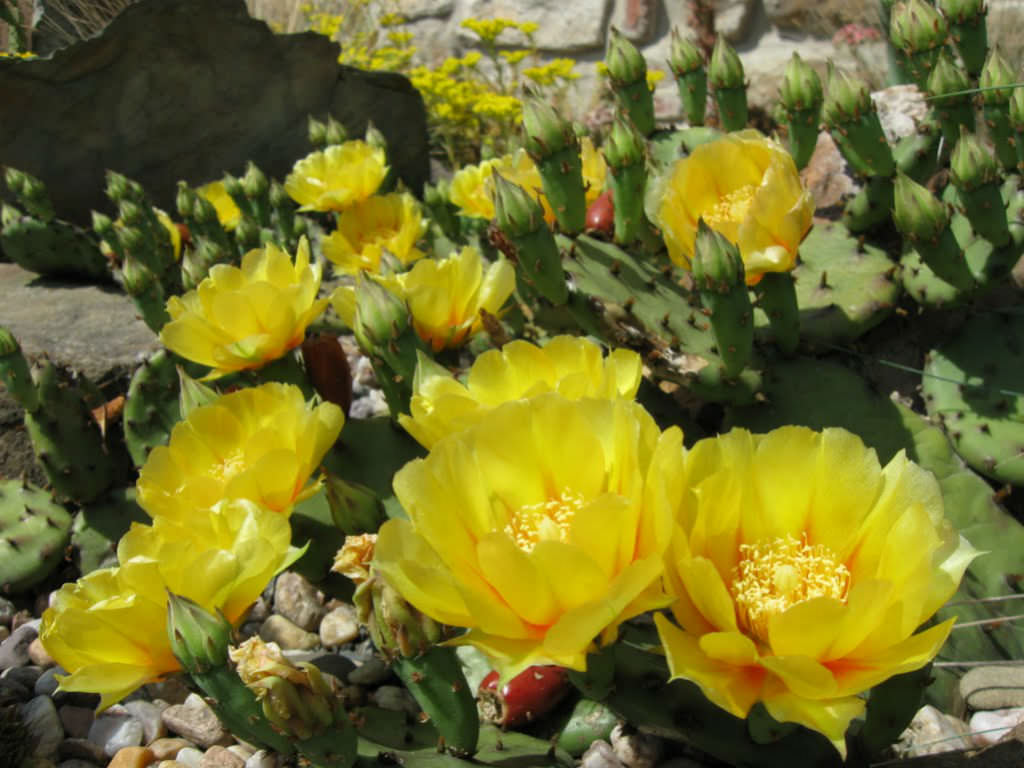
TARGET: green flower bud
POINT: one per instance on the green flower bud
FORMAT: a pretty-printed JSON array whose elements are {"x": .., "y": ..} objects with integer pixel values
[
  {"x": 546, "y": 131},
  {"x": 278, "y": 197},
  {"x": 234, "y": 188},
  {"x": 103, "y": 226},
  {"x": 1017, "y": 109},
  {"x": 317, "y": 133},
  {"x": 15, "y": 180},
  {"x": 380, "y": 315},
  {"x": 355, "y": 508},
  {"x": 132, "y": 240},
  {"x": 132, "y": 214},
  {"x": 995, "y": 74},
  {"x": 184, "y": 200},
  {"x": 247, "y": 233},
  {"x": 801, "y": 86},
  {"x": 204, "y": 211},
  {"x": 684, "y": 55},
  {"x": 136, "y": 277},
  {"x": 9, "y": 215},
  {"x": 947, "y": 77},
  {"x": 336, "y": 133},
  {"x": 625, "y": 63},
  {"x": 960, "y": 11},
  {"x": 624, "y": 147},
  {"x": 726, "y": 69},
  {"x": 516, "y": 212},
  {"x": 717, "y": 265},
  {"x": 847, "y": 97},
  {"x": 397, "y": 629},
  {"x": 117, "y": 186},
  {"x": 374, "y": 137},
  {"x": 971, "y": 165},
  {"x": 31, "y": 193},
  {"x": 917, "y": 213},
  {"x": 8, "y": 344},
  {"x": 917, "y": 26},
  {"x": 254, "y": 182},
  {"x": 198, "y": 639}
]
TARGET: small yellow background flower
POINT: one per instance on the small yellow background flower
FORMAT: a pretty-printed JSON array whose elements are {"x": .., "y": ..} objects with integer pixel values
[
  {"x": 260, "y": 443},
  {"x": 746, "y": 187},
  {"x": 472, "y": 189},
  {"x": 109, "y": 629},
  {"x": 383, "y": 222},
  {"x": 337, "y": 177},
  {"x": 539, "y": 528},
  {"x": 570, "y": 365},
  {"x": 228, "y": 212},
  {"x": 242, "y": 318},
  {"x": 802, "y": 569}
]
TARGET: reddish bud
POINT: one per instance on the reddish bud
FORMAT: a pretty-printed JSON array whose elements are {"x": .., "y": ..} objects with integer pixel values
[
  {"x": 601, "y": 213},
  {"x": 328, "y": 369}
]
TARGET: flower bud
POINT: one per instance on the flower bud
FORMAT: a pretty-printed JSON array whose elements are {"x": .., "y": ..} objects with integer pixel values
[
  {"x": 8, "y": 344},
  {"x": 960, "y": 11},
  {"x": 132, "y": 214},
  {"x": 717, "y": 265},
  {"x": 204, "y": 211},
  {"x": 117, "y": 186},
  {"x": 184, "y": 199},
  {"x": 354, "y": 559},
  {"x": 626, "y": 64},
  {"x": 198, "y": 639},
  {"x": 380, "y": 315},
  {"x": 336, "y": 133},
  {"x": 994, "y": 75},
  {"x": 192, "y": 393},
  {"x": 279, "y": 198},
  {"x": 624, "y": 146},
  {"x": 15, "y": 180},
  {"x": 684, "y": 55},
  {"x": 515, "y": 211},
  {"x": 726, "y": 69},
  {"x": 801, "y": 86},
  {"x": 1017, "y": 109},
  {"x": 396, "y": 627},
  {"x": 917, "y": 27},
  {"x": 374, "y": 137},
  {"x": 847, "y": 97},
  {"x": 917, "y": 213},
  {"x": 947, "y": 78},
  {"x": 546, "y": 131},
  {"x": 971, "y": 165},
  {"x": 355, "y": 508},
  {"x": 234, "y": 188},
  {"x": 103, "y": 226},
  {"x": 317, "y": 132},
  {"x": 254, "y": 182},
  {"x": 136, "y": 277}
]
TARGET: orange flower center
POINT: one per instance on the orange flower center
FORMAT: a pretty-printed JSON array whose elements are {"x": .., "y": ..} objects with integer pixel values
[
  {"x": 773, "y": 576},
  {"x": 730, "y": 210},
  {"x": 544, "y": 521}
]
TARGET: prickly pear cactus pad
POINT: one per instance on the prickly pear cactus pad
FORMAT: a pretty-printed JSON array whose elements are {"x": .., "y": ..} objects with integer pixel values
[
  {"x": 974, "y": 387},
  {"x": 844, "y": 288},
  {"x": 33, "y": 532}
]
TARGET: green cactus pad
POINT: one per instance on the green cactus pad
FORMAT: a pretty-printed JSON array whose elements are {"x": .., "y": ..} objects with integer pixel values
[
  {"x": 34, "y": 530},
  {"x": 99, "y": 526},
  {"x": 668, "y": 146},
  {"x": 843, "y": 288},
  {"x": 974, "y": 386},
  {"x": 55, "y": 248}
]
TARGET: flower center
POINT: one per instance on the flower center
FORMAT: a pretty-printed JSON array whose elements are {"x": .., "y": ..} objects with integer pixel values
[
  {"x": 544, "y": 521},
  {"x": 773, "y": 576},
  {"x": 730, "y": 210}
]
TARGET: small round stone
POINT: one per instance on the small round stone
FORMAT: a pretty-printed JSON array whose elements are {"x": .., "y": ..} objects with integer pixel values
[
  {"x": 339, "y": 626},
  {"x": 132, "y": 757},
  {"x": 116, "y": 729},
  {"x": 298, "y": 600},
  {"x": 45, "y": 732},
  {"x": 37, "y": 653},
  {"x": 167, "y": 748},
  {"x": 76, "y": 720},
  {"x": 195, "y": 721},
  {"x": 278, "y": 629},
  {"x": 220, "y": 757},
  {"x": 189, "y": 757}
]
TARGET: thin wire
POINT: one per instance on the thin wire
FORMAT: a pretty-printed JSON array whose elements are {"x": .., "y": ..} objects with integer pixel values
[
  {"x": 996, "y": 599},
  {"x": 970, "y": 91},
  {"x": 948, "y": 738},
  {"x": 993, "y": 620},
  {"x": 982, "y": 663}
]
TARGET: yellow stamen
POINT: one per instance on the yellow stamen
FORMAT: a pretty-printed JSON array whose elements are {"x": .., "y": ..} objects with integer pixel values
[
  {"x": 773, "y": 576},
  {"x": 544, "y": 521},
  {"x": 731, "y": 209}
]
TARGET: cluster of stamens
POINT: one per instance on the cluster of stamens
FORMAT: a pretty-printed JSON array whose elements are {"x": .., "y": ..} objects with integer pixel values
[{"x": 544, "y": 520}]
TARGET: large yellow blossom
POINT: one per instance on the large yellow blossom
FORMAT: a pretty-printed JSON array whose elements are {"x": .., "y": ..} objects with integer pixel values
[
  {"x": 337, "y": 177},
  {"x": 570, "y": 365},
  {"x": 744, "y": 186},
  {"x": 540, "y": 528},
  {"x": 383, "y": 222},
  {"x": 109, "y": 629},
  {"x": 802, "y": 570},
  {"x": 260, "y": 443},
  {"x": 242, "y": 318},
  {"x": 472, "y": 188}
]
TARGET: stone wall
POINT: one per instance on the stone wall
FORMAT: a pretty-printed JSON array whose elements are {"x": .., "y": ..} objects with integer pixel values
[{"x": 764, "y": 32}]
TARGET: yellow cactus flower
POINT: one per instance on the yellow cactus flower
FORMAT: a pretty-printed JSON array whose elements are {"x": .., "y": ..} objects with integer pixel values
[
  {"x": 228, "y": 212},
  {"x": 243, "y": 318},
  {"x": 337, "y": 177},
  {"x": 446, "y": 296},
  {"x": 540, "y": 528},
  {"x": 392, "y": 223},
  {"x": 472, "y": 187},
  {"x": 746, "y": 187},
  {"x": 595, "y": 170},
  {"x": 569, "y": 365},
  {"x": 108, "y": 630},
  {"x": 802, "y": 569},
  {"x": 260, "y": 443}
]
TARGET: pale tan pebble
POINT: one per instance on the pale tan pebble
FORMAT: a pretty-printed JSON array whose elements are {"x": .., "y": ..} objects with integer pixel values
[
  {"x": 244, "y": 751},
  {"x": 167, "y": 748},
  {"x": 132, "y": 757},
  {"x": 38, "y": 655},
  {"x": 170, "y": 764},
  {"x": 220, "y": 757}
]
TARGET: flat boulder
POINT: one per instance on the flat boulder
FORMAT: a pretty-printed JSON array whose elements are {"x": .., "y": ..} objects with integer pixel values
[{"x": 191, "y": 89}]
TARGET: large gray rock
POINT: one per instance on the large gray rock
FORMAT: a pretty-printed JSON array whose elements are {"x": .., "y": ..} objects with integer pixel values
[{"x": 189, "y": 89}]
